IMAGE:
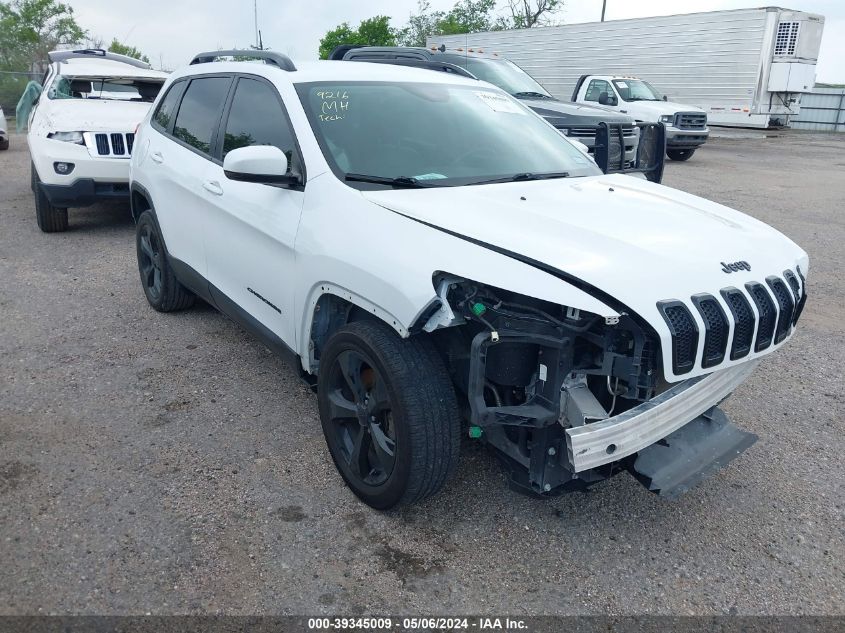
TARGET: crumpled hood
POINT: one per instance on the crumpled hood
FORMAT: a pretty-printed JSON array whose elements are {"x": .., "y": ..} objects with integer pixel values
[
  {"x": 94, "y": 115},
  {"x": 635, "y": 240},
  {"x": 573, "y": 113}
]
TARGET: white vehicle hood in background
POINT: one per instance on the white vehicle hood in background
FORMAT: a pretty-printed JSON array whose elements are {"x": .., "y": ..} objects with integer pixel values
[
  {"x": 658, "y": 108},
  {"x": 637, "y": 241},
  {"x": 94, "y": 115}
]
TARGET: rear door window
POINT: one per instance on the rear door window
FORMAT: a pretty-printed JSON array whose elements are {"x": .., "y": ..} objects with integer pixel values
[{"x": 200, "y": 110}]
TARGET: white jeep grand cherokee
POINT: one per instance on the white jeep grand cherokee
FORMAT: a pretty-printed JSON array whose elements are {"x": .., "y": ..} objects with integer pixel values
[
  {"x": 430, "y": 252},
  {"x": 82, "y": 130}
]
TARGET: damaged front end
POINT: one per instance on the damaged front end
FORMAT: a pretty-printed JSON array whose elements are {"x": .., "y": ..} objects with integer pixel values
[{"x": 569, "y": 398}]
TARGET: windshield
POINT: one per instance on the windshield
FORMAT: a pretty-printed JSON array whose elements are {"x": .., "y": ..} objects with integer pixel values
[
  {"x": 434, "y": 134},
  {"x": 507, "y": 76},
  {"x": 636, "y": 90},
  {"x": 105, "y": 88}
]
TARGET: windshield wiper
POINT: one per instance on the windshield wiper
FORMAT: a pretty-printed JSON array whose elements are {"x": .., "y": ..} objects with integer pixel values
[
  {"x": 525, "y": 176},
  {"x": 539, "y": 95},
  {"x": 400, "y": 181}
]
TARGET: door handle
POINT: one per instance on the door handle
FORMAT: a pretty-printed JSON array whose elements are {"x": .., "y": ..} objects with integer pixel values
[
  {"x": 157, "y": 157},
  {"x": 212, "y": 186}
]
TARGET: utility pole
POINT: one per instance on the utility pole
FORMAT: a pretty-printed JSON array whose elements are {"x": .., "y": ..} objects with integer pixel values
[
  {"x": 257, "y": 34},
  {"x": 603, "y": 7}
]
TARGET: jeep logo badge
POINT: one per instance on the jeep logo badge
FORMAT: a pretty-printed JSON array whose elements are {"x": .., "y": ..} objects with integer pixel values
[{"x": 735, "y": 266}]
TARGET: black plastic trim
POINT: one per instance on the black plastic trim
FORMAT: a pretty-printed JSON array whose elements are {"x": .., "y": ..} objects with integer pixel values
[
  {"x": 767, "y": 315},
  {"x": 786, "y": 307},
  {"x": 679, "y": 367},
  {"x": 803, "y": 300},
  {"x": 84, "y": 192},
  {"x": 709, "y": 332},
  {"x": 739, "y": 349}
]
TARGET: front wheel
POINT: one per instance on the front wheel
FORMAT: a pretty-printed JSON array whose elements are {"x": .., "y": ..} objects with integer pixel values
[
  {"x": 4, "y": 144},
  {"x": 389, "y": 414},
  {"x": 50, "y": 219},
  {"x": 680, "y": 154}
]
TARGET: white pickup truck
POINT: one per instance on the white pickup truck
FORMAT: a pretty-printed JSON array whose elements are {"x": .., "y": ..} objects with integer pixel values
[{"x": 686, "y": 126}]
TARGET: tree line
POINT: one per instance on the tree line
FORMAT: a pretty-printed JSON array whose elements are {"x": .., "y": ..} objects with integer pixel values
[
  {"x": 29, "y": 29},
  {"x": 466, "y": 16}
]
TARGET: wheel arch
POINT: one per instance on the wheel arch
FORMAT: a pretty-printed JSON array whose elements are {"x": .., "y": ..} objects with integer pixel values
[
  {"x": 328, "y": 308},
  {"x": 140, "y": 200}
]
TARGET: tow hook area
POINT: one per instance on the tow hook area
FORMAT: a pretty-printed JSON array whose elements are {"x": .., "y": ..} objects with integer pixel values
[{"x": 689, "y": 455}]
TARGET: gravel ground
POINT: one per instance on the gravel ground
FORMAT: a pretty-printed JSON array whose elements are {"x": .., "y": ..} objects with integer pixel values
[{"x": 170, "y": 464}]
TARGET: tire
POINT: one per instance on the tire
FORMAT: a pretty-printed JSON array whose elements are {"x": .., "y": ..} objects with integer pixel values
[
  {"x": 50, "y": 219},
  {"x": 680, "y": 154},
  {"x": 163, "y": 291},
  {"x": 4, "y": 145},
  {"x": 410, "y": 407}
]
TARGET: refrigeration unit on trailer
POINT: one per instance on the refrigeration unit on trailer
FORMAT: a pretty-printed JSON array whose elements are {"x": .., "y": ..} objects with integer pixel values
[{"x": 744, "y": 67}]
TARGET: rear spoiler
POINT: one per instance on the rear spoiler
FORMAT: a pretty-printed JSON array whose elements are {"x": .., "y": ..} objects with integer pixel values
[
  {"x": 61, "y": 56},
  {"x": 651, "y": 150}
]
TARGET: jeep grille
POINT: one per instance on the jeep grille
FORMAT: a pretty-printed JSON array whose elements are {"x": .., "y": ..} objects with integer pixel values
[
  {"x": 777, "y": 304},
  {"x": 117, "y": 144}
]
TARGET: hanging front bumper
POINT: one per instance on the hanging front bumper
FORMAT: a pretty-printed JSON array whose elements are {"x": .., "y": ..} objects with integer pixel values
[{"x": 598, "y": 443}]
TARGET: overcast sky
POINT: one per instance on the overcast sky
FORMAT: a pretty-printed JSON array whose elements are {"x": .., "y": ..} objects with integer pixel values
[{"x": 170, "y": 32}]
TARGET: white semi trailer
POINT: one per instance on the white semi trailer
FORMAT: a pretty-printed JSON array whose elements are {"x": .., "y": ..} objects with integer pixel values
[{"x": 746, "y": 67}]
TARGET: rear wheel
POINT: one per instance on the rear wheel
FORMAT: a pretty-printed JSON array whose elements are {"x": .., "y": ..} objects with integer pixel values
[
  {"x": 50, "y": 219},
  {"x": 163, "y": 291},
  {"x": 4, "y": 144},
  {"x": 389, "y": 414},
  {"x": 680, "y": 154}
]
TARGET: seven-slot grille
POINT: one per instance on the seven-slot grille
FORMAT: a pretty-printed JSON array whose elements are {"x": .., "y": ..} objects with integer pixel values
[
  {"x": 775, "y": 311},
  {"x": 115, "y": 144},
  {"x": 691, "y": 120}
]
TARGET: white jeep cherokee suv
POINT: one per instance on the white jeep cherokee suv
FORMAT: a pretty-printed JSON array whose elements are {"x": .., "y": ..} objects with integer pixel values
[
  {"x": 82, "y": 130},
  {"x": 431, "y": 253}
]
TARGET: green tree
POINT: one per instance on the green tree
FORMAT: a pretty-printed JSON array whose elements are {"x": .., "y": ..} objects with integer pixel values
[
  {"x": 466, "y": 16},
  {"x": 375, "y": 31},
  {"x": 129, "y": 51},
  {"x": 528, "y": 13},
  {"x": 29, "y": 29}
]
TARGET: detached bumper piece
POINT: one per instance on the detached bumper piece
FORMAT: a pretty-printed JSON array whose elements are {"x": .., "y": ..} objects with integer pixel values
[
  {"x": 85, "y": 192},
  {"x": 691, "y": 454}
]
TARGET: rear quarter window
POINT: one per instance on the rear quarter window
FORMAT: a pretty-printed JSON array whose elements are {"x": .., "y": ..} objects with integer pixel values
[{"x": 163, "y": 114}]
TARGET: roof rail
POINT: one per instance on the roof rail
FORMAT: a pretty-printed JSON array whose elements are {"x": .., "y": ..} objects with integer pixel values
[
  {"x": 339, "y": 51},
  {"x": 61, "y": 56},
  {"x": 270, "y": 57},
  {"x": 442, "y": 67}
]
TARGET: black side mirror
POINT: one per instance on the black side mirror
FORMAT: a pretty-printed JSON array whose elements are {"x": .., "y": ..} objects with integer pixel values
[
  {"x": 606, "y": 99},
  {"x": 665, "y": 98}
]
